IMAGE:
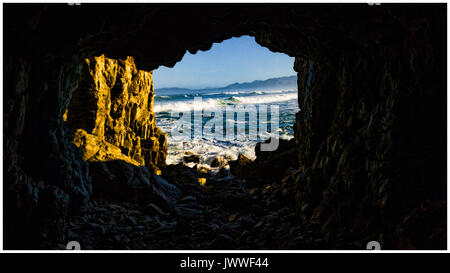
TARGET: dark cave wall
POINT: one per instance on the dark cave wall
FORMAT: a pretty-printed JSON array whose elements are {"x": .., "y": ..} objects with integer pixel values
[
  {"x": 371, "y": 136},
  {"x": 371, "y": 133},
  {"x": 368, "y": 157}
]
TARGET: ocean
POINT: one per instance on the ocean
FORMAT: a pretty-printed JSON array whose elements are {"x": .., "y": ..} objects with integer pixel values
[{"x": 208, "y": 147}]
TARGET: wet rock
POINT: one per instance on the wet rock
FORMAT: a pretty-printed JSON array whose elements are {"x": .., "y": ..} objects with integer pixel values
[
  {"x": 202, "y": 171},
  {"x": 218, "y": 161},
  {"x": 191, "y": 158},
  {"x": 238, "y": 166}
]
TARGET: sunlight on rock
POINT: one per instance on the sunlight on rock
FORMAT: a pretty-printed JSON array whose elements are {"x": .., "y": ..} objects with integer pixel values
[
  {"x": 202, "y": 181},
  {"x": 112, "y": 116}
]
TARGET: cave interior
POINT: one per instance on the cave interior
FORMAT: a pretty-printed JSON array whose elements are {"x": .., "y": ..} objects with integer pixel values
[{"x": 368, "y": 161}]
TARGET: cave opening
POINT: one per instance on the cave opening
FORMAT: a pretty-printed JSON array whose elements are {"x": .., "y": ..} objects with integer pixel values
[
  {"x": 236, "y": 73},
  {"x": 122, "y": 124}
]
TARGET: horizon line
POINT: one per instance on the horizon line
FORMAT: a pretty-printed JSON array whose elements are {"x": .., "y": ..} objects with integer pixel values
[{"x": 202, "y": 88}]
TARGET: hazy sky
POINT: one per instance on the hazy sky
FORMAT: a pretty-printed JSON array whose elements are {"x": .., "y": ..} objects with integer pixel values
[{"x": 234, "y": 60}]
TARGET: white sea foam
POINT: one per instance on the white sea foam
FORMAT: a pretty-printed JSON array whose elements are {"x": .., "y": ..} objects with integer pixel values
[
  {"x": 207, "y": 147},
  {"x": 216, "y": 103},
  {"x": 266, "y": 98}
]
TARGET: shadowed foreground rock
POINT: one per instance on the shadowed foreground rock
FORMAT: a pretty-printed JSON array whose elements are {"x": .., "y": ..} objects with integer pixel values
[
  {"x": 120, "y": 181},
  {"x": 269, "y": 167}
]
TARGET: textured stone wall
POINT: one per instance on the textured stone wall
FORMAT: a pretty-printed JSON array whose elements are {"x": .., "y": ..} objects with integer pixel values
[
  {"x": 370, "y": 140},
  {"x": 111, "y": 114}
]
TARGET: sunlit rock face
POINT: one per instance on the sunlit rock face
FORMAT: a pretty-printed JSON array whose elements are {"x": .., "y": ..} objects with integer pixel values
[
  {"x": 112, "y": 123},
  {"x": 111, "y": 114}
]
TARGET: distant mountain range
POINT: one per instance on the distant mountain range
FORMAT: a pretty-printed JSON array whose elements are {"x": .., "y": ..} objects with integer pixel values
[{"x": 289, "y": 82}]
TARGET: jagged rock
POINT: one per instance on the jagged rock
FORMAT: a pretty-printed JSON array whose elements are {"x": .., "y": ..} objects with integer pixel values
[
  {"x": 95, "y": 149},
  {"x": 112, "y": 116}
]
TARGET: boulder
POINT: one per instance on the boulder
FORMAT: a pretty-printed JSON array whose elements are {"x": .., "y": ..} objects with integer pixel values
[
  {"x": 238, "y": 166},
  {"x": 191, "y": 158},
  {"x": 268, "y": 167},
  {"x": 122, "y": 181},
  {"x": 218, "y": 161}
]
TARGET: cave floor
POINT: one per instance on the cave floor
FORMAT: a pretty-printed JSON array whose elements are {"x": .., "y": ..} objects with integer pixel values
[{"x": 219, "y": 215}]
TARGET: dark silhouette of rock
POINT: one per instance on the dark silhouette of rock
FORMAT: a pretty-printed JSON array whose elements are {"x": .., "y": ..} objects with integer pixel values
[
  {"x": 191, "y": 158},
  {"x": 268, "y": 167},
  {"x": 122, "y": 181}
]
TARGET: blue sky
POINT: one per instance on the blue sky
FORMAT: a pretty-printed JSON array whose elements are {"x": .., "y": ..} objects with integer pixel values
[{"x": 234, "y": 60}]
